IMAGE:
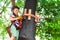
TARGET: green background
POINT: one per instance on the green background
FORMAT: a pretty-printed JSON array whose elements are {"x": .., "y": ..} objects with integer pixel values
[{"x": 48, "y": 27}]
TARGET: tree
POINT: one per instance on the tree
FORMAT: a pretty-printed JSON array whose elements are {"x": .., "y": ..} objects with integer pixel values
[
  {"x": 28, "y": 30},
  {"x": 49, "y": 28},
  {"x": 13, "y": 2}
]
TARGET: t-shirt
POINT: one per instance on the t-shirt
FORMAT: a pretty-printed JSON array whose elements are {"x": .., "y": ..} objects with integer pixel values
[
  {"x": 15, "y": 22},
  {"x": 12, "y": 15}
]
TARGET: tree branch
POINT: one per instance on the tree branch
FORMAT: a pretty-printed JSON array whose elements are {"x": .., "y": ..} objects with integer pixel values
[{"x": 13, "y": 2}]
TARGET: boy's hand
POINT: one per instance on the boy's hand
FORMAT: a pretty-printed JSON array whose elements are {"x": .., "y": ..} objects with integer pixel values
[{"x": 20, "y": 17}]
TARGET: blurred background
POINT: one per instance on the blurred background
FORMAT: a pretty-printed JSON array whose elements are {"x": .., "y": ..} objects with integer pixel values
[{"x": 48, "y": 28}]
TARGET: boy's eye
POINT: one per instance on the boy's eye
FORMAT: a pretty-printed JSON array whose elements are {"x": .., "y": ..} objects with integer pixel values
[{"x": 16, "y": 10}]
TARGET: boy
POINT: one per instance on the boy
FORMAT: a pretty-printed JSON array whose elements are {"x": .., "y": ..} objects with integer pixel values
[{"x": 15, "y": 23}]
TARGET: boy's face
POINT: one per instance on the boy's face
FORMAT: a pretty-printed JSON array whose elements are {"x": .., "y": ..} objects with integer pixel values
[{"x": 16, "y": 11}]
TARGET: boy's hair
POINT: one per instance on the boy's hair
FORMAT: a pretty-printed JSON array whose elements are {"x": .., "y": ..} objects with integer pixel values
[{"x": 14, "y": 7}]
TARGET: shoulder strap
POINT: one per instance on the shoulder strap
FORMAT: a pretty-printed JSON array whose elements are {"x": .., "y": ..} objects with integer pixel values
[{"x": 10, "y": 25}]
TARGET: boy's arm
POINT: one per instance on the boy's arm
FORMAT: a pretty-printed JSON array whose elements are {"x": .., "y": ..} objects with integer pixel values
[
  {"x": 12, "y": 19},
  {"x": 36, "y": 18}
]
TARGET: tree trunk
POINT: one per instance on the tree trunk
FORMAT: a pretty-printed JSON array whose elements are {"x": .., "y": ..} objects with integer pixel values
[
  {"x": 28, "y": 30},
  {"x": 8, "y": 28},
  {"x": 13, "y": 2}
]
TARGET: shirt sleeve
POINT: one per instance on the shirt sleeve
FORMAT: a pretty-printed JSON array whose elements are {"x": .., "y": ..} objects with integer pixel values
[{"x": 12, "y": 15}]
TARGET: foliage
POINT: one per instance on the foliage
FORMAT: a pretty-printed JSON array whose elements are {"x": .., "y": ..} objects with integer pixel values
[{"x": 48, "y": 28}]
